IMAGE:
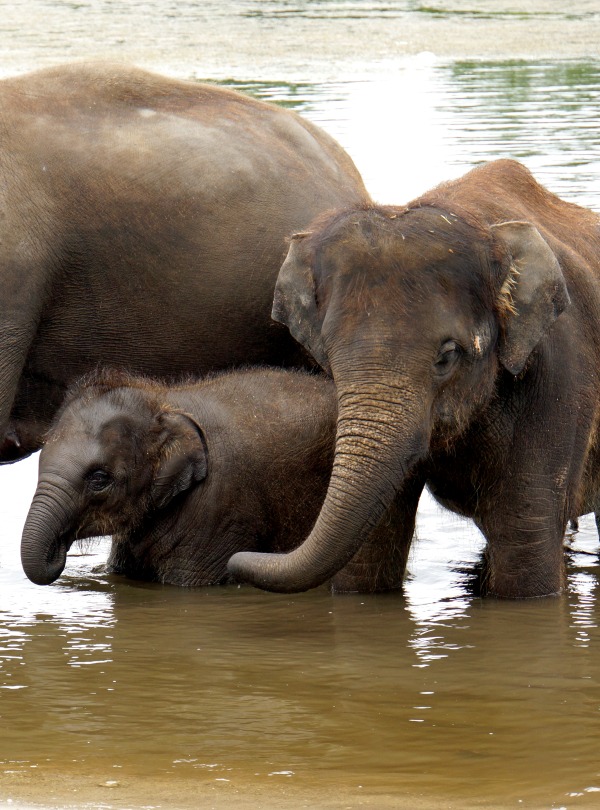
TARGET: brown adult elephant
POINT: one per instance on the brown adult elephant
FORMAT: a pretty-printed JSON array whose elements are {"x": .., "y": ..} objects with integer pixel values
[
  {"x": 463, "y": 334},
  {"x": 142, "y": 225}
]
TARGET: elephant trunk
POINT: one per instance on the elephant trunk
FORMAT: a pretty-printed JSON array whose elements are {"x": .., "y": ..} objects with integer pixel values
[
  {"x": 47, "y": 534},
  {"x": 378, "y": 439}
]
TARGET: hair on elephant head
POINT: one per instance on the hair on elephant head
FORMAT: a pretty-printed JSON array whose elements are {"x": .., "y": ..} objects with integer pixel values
[
  {"x": 181, "y": 476},
  {"x": 114, "y": 455},
  {"x": 460, "y": 333}
]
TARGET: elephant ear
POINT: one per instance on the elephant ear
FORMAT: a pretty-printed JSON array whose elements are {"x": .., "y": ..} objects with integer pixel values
[
  {"x": 295, "y": 302},
  {"x": 533, "y": 295},
  {"x": 183, "y": 458}
]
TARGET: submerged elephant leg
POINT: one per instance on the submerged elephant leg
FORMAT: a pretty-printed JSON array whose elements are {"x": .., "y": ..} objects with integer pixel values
[
  {"x": 524, "y": 554},
  {"x": 380, "y": 563}
]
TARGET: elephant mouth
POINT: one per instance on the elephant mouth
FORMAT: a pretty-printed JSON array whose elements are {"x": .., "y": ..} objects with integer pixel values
[
  {"x": 87, "y": 532},
  {"x": 56, "y": 558}
]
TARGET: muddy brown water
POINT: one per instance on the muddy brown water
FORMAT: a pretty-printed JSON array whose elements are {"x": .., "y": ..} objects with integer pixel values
[{"x": 128, "y": 695}]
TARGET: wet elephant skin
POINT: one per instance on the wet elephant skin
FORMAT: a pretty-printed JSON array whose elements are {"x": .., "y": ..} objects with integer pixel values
[
  {"x": 463, "y": 335},
  {"x": 183, "y": 476}
]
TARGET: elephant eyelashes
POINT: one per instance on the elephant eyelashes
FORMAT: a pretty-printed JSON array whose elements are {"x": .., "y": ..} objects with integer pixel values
[
  {"x": 447, "y": 358},
  {"x": 97, "y": 480}
]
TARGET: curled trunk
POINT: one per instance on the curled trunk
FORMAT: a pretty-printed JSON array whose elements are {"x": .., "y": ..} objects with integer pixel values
[
  {"x": 375, "y": 447},
  {"x": 47, "y": 534}
]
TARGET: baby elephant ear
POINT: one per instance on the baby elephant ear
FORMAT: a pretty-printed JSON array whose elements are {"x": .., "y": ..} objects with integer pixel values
[
  {"x": 533, "y": 295},
  {"x": 182, "y": 460}
]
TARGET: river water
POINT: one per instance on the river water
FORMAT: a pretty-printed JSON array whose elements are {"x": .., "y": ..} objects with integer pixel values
[{"x": 122, "y": 694}]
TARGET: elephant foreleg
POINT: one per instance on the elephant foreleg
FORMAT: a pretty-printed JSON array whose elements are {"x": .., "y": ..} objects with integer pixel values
[
  {"x": 524, "y": 554},
  {"x": 380, "y": 563}
]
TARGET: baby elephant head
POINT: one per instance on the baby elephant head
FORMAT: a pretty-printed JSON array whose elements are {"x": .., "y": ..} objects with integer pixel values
[{"x": 112, "y": 457}]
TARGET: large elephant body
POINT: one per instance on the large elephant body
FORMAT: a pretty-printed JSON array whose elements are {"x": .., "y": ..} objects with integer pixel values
[
  {"x": 142, "y": 225},
  {"x": 463, "y": 335}
]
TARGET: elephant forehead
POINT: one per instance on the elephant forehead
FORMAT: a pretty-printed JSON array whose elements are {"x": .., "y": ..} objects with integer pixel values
[
  {"x": 411, "y": 251},
  {"x": 426, "y": 285},
  {"x": 119, "y": 431},
  {"x": 99, "y": 420},
  {"x": 114, "y": 445}
]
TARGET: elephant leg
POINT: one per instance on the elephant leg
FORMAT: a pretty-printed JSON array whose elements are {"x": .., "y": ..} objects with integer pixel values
[
  {"x": 525, "y": 532},
  {"x": 380, "y": 563}
]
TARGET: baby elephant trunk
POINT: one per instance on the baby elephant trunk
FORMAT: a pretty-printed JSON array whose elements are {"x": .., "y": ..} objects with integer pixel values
[{"x": 47, "y": 534}]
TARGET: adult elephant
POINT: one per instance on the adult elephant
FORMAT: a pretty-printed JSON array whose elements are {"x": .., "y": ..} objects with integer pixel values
[
  {"x": 463, "y": 335},
  {"x": 142, "y": 225}
]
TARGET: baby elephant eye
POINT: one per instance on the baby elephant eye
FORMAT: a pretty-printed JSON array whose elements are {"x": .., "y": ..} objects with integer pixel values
[
  {"x": 448, "y": 355},
  {"x": 97, "y": 480}
]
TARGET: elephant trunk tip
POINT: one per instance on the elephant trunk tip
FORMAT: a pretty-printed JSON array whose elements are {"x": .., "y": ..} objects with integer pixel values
[
  {"x": 48, "y": 573},
  {"x": 264, "y": 571}
]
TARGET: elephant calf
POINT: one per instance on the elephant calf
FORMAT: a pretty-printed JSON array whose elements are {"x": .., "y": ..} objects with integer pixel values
[{"x": 184, "y": 476}]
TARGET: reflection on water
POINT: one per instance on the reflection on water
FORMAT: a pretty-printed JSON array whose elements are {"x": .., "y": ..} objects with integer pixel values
[
  {"x": 427, "y": 122},
  {"x": 433, "y": 694},
  {"x": 430, "y": 693}
]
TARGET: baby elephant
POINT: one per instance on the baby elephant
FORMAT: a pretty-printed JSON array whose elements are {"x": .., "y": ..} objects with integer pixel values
[{"x": 182, "y": 476}]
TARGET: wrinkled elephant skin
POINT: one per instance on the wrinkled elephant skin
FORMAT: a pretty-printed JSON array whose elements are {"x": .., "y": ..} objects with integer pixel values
[
  {"x": 143, "y": 221},
  {"x": 463, "y": 334},
  {"x": 184, "y": 476}
]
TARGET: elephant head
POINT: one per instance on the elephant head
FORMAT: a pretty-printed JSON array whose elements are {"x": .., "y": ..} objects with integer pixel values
[
  {"x": 112, "y": 456},
  {"x": 414, "y": 312}
]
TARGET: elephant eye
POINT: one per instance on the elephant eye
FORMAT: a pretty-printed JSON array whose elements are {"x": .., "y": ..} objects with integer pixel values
[
  {"x": 97, "y": 480},
  {"x": 448, "y": 355}
]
